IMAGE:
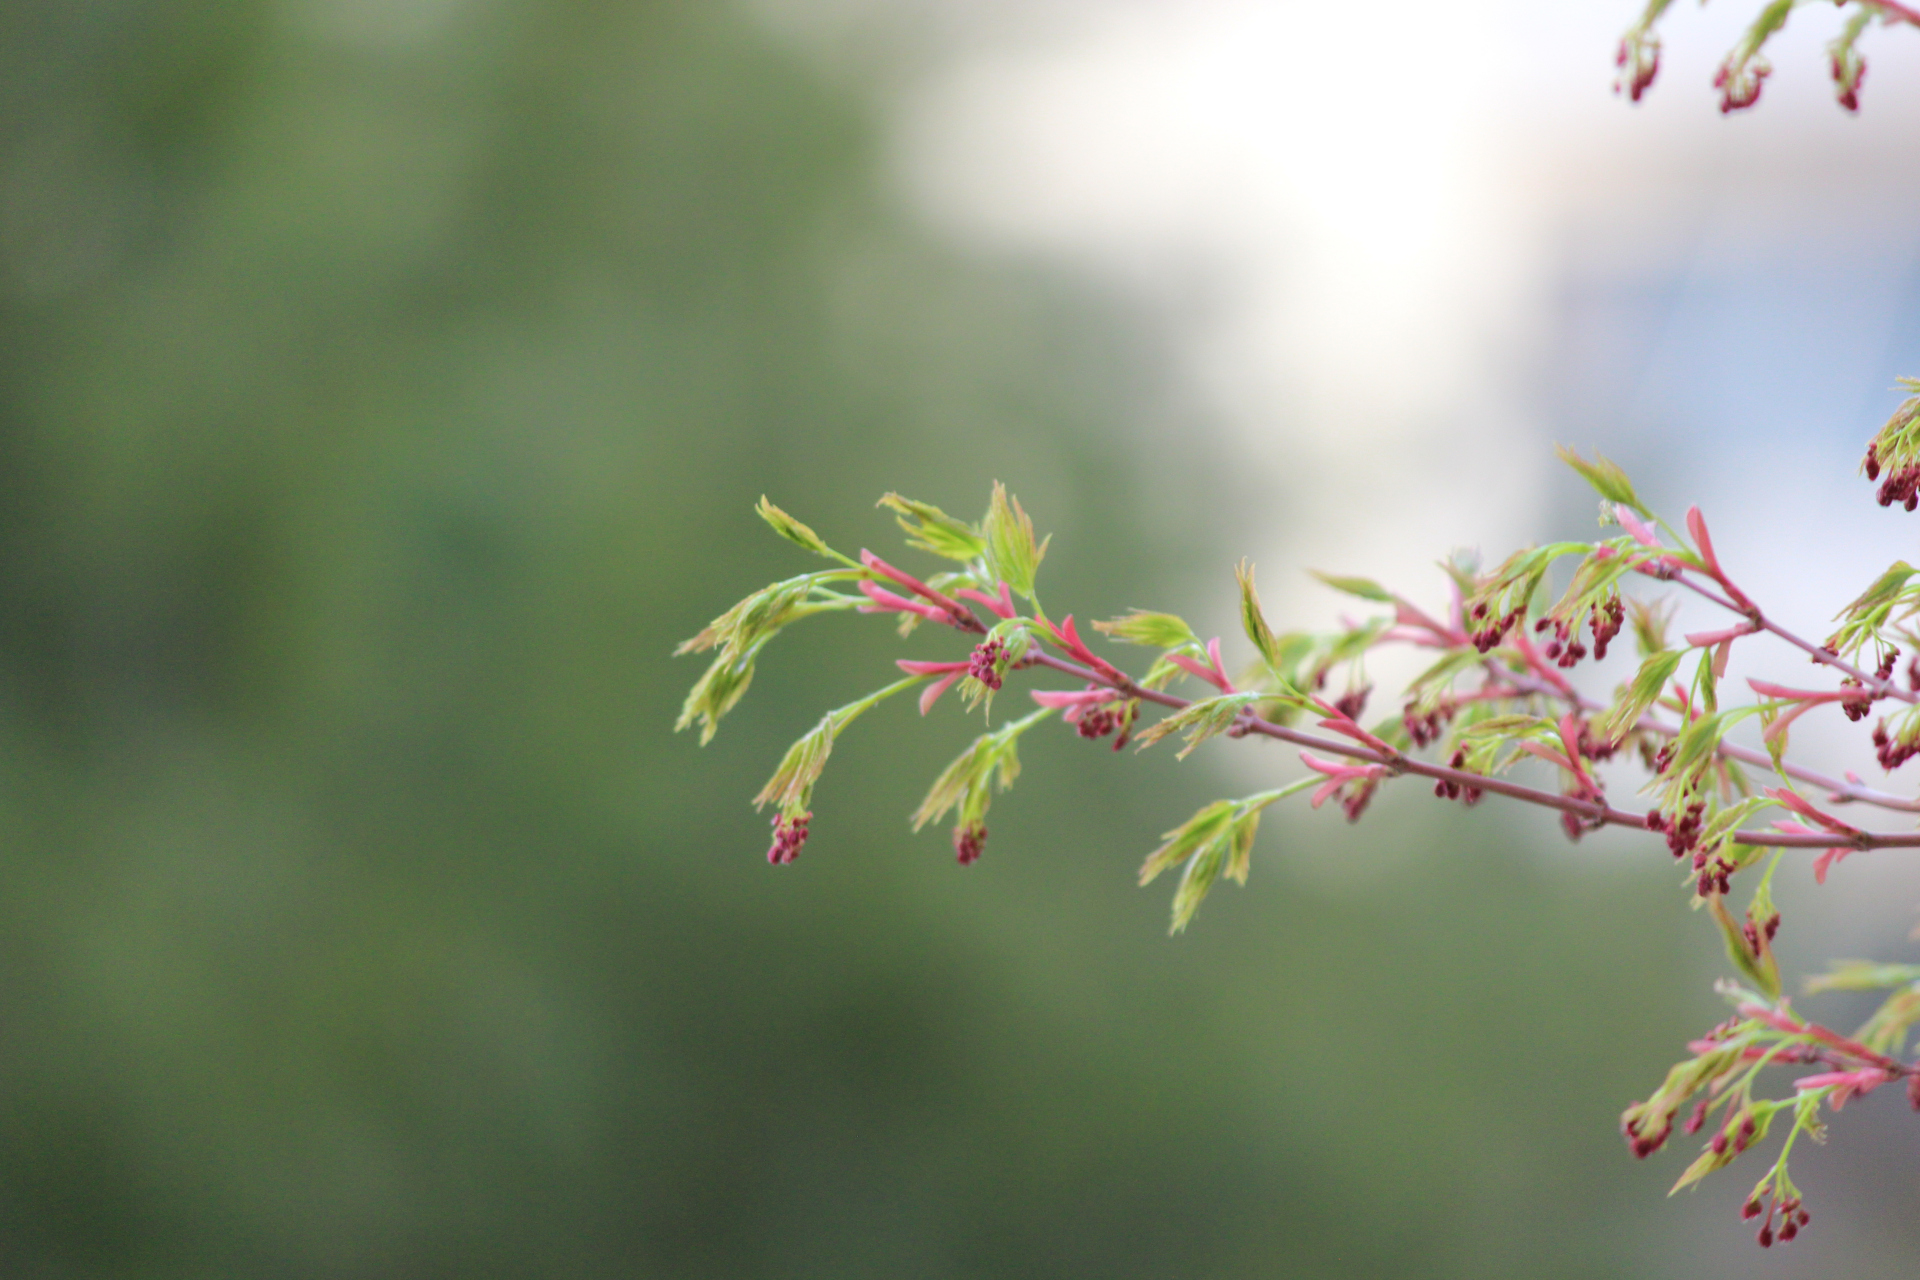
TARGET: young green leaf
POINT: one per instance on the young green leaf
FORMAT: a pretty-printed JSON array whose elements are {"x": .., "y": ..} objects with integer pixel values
[
  {"x": 1252, "y": 619},
  {"x": 791, "y": 786},
  {"x": 1012, "y": 555},
  {"x": 1200, "y": 720},
  {"x": 931, "y": 529},
  {"x": 1638, "y": 696},
  {"x": 1365, "y": 588},
  {"x": 991, "y": 762},
  {"x": 1607, "y": 479},
  {"x": 795, "y": 532},
  {"x": 1157, "y": 630}
]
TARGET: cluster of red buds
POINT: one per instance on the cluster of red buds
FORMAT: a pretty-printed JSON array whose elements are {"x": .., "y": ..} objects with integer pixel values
[
  {"x": 1450, "y": 790},
  {"x": 1716, "y": 875},
  {"x": 1683, "y": 834},
  {"x": 1752, "y": 933},
  {"x": 1902, "y": 486},
  {"x": 1644, "y": 1144},
  {"x": 969, "y": 838},
  {"x": 1354, "y": 800},
  {"x": 1892, "y": 754},
  {"x": 1857, "y": 700},
  {"x": 1592, "y": 748},
  {"x": 1856, "y": 705},
  {"x": 1097, "y": 722},
  {"x": 1740, "y": 86},
  {"x": 1488, "y": 633},
  {"x": 1608, "y": 617},
  {"x": 984, "y": 665},
  {"x": 1639, "y": 63},
  {"x": 1565, "y": 647},
  {"x": 1353, "y": 702},
  {"x": 788, "y": 835},
  {"x": 1849, "y": 85},
  {"x": 1424, "y": 730},
  {"x": 1792, "y": 1218},
  {"x": 1741, "y": 1139}
]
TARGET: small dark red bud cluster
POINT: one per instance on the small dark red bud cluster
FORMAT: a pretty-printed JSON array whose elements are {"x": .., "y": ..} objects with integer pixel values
[
  {"x": 984, "y": 665},
  {"x": 1752, "y": 932},
  {"x": 969, "y": 838},
  {"x": 788, "y": 835},
  {"x": 1890, "y": 753},
  {"x": 1449, "y": 790},
  {"x": 1639, "y": 63},
  {"x": 1575, "y": 824},
  {"x": 1641, "y": 1143},
  {"x": 1902, "y": 486},
  {"x": 1353, "y": 702},
  {"x": 1425, "y": 730},
  {"x": 1848, "y": 75},
  {"x": 1488, "y": 631},
  {"x": 1738, "y": 92},
  {"x": 1354, "y": 800},
  {"x": 1608, "y": 617},
  {"x": 1716, "y": 873},
  {"x": 1565, "y": 647},
  {"x": 1097, "y": 722},
  {"x": 1855, "y": 704},
  {"x": 1683, "y": 834},
  {"x": 1592, "y": 748},
  {"x": 1696, "y": 1118},
  {"x": 1792, "y": 1218}
]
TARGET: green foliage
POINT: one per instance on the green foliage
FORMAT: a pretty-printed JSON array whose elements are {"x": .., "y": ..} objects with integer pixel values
[
  {"x": 932, "y": 530},
  {"x": 1888, "y": 600},
  {"x": 1364, "y": 588},
  {"x": 1607, "y": 479},
  {"x": 795, "y": 532},
  {"x": 1013, "y": 557},
  {"x": 1638, "y": 696},
  {"x": 791, "y": 786},
  {"x": 1157, "y": 630},
  {"x": 1216, "y": 840},
  {"x": 966, "y": 786},
  {"x": 1199, "y": 721},
  {"x": 744, "y": 630}
]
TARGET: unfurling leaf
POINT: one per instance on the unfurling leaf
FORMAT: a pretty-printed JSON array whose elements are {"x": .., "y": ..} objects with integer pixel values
[
  {"x": 1157, "y": 630},
  {"x": 1012, "y": 555},
  {"x": 991, "y": 762},
  {"x": 742, "y": 631},
  {"x": 791, "y": 786},
  {"x": 1254, "y": 621},
  {"x": 1365, "y": 588},
  {"x": 1607, "y": 479},
  {"x": 1216, "y": 840},
  {"x": 1638, "y": 696},
  {"x": 931, "y": 529},
  {"x": 793, "y": 531},
  {"x": 1200, "y": 720}
]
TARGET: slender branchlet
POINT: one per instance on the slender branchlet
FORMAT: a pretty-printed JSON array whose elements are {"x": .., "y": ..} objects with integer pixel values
[{"x": 1492, "y": 713}]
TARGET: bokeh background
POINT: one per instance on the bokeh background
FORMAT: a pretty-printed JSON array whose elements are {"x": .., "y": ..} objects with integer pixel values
[{"x": 385, "y": 387}]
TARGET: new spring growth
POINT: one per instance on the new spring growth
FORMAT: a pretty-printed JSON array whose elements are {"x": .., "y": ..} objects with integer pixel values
[
  {"x": 1743, "y": 72},
  {"x": 1492, "y": 714}
]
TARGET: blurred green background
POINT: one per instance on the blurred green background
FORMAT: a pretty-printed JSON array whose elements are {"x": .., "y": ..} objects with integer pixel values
[{"x": 383, "y": 392}]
